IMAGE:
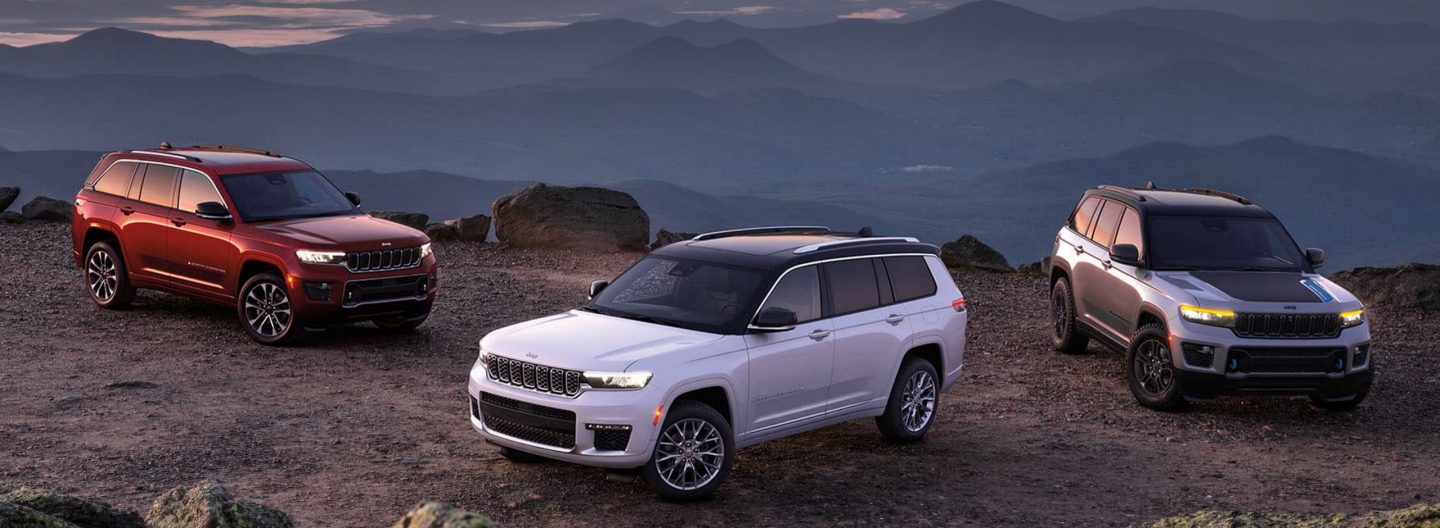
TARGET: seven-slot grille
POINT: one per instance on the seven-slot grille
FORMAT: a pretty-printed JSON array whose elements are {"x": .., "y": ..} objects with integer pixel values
[
  {"x": 1287, "y": 326},
  {"x": 539, "y": 378},
  {"x": 383, "y": 260}
]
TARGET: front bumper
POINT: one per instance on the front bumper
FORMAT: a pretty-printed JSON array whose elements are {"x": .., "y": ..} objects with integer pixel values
[
  {"x": 606, "y": 410},
  {"x": 1210, "y": 361},
  {"x": 332, "y": 295}
]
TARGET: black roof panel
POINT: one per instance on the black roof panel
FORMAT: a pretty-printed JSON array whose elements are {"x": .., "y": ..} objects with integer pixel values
[
  {"x": 777, "y": 252},
  {"x": 1166, "y": 202}
]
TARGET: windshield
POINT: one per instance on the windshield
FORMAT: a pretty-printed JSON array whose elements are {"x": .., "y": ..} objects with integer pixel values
[
  {"x": 283, "y": 195},
  {"x": 1210, "y": 243},
  {"x": 680, "y": 292}
]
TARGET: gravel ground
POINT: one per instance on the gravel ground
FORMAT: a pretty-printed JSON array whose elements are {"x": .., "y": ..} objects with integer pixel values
[{"x": 359, "y": 426}]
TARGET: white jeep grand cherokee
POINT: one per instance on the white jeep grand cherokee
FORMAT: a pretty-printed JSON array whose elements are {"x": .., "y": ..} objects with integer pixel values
[{"x": 722, "y": 342}]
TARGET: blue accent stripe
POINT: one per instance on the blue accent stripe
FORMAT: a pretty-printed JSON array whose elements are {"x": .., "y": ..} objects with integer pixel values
[{"x": 1318, "y": 290}]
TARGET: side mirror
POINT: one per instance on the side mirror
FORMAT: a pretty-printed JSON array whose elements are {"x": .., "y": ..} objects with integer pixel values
[
  {"x": 212, "y": 211},
  {"x": 597, "y": 287},
  {"x": 1315, "y": 256},
  {"x": 1126, "y": 254},
  {"x": 775, "y": 319},
  {"x": 354, "y": 198}
]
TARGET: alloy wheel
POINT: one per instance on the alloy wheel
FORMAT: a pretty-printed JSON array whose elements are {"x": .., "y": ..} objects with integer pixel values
[
  {"x": 690, "y": 454},
  {"x": 267, "y": 310},
  {"x": 1152, "y": 368},
  {"x": 102, "y": 275},
  {"x": 917, "y": 401},
  {"x": 1057, "y": 313}
]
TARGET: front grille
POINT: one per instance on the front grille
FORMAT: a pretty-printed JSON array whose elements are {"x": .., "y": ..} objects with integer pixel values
[
  {"x": 1287, "y": 326},
  {"x": 538, "y": 378},
  {"x": 527, "y": 421},
  {"x": 383, "y": 260},
  {"x": 1287, "y": 360},
  {"x": 384, "y": 290},
  {"x": 612, "y": 439}
]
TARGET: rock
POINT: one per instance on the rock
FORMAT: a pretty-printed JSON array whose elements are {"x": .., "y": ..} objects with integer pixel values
[
  {"x": 47, "y": 209},
  {"x": 208, "y": 505},
  {"x": 1415, "y": 516},
  {"x": 8, "y": 196},
  {"x": 76, "y": 511},
  {"x": 666, "y": 237},
  {"x": 17, "y": 516},
  {"x": 11, "y": 217},
  {"x": 413, "y": 220},
  {"x": 437, "y": 515},
  {"x": 472, "y": 228},
  {"x": 571, "y": 217},
  {"x": 969, "y": 252},
  {"x": 439, "y": 232},
  {"x": 1040, "y": 267},
  {"x": 1408, "y": 286}
]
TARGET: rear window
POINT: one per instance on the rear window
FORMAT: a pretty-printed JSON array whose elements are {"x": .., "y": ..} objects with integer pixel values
[
  {"x": 159, "y": 185},
  {"x": 116, "y": 179},
  {"x": 1080, "y": 221},
  {"x": 853, "y": 285},
  {"x": 910, "y": 278},
  {"x": 1109, "y": 219}
]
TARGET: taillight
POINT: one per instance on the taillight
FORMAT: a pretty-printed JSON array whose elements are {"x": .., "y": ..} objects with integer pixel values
[{"x": 958, "y": 305}]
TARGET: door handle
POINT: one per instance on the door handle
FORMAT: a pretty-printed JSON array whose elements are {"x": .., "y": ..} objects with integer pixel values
[
  {"x": 178, "y": 221},
  {"x": 895, "y": 319},
  {"x": 1079, "y": 249},
  {"x": 127, "y": 210},
  {"x": 1107, "y": 264},
  {"x": 819, "y": 335}
]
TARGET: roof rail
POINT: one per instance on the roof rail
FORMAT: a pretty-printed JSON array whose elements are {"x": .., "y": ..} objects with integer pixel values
[
  {"x": 1125, "y": 191},
  {"x": 249, "y": 150},
  {"x": 773, "y": 230},
  {"x": 1221, "y": 194},
  {"x": 167, "y": 155},
  {"x": 826, "y": 245}
]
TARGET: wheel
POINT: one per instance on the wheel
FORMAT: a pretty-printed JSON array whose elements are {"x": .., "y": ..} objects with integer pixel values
[
  {"x": 913, "y": 401},
  {"x": 1343, "y": 403},
  {"x": 106, "y": 278},
  {"x": 266, "y": 312},
  {"x": 1064, "y": 336},
  {"x": 693, "y": 454},
  {"x": 1151, "y": 372},
  {"x": 399, "y": 324},
  {"x": 521, "y": 457}
]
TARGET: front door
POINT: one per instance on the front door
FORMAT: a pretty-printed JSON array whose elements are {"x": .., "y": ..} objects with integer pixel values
[
  {"x": 200, "y": 249},
  {"x": 1092, "y": 273},
  {"x": 790, "y": 371}
]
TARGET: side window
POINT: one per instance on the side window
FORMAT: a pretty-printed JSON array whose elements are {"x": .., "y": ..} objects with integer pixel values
[
  {"x": 799, "y": 292},
  {"x": 853, "y": 285},
  {"x": 1130, "y": 232},
  {"x": 910, "y": 278},
  {"x": 116, "y": 179},
  {"x": 1080, "y": 221},
  {"x": 194, "y": 189},
  {"x": 159, "y": 185},
  {"x": 1105, "y": 227}
]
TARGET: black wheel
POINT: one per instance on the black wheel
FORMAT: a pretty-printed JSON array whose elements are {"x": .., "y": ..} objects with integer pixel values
[
  {"x": 693, "y": 455},
  {"x": 266, "y": 312},
  {"x": 1151, "y": 371},
  {"x": 1064, "y": 336},
  {"x": 400, "y": 324},
  {"x": 914, "y": 400},
  {"x": 521, "y": 457},
  {"x": 1345, "y": 403},
  {"x": 105, "y": 277}
]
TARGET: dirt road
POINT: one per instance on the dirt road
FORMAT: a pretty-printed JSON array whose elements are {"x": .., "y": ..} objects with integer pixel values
[{"x": 359, "y": 426}]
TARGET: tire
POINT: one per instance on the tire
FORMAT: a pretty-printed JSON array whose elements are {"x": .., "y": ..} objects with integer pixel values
[
  {"x": 400, "y": 324},
  {"x": 106, "y": 277},
  {"x": 700, "y": 431},
  {"x": 1344, "y": 403},
  {"x": 1150, "y": 371},
  {"x": 266, "y": 312},
  {"x": 914, "y": 402},
  {"x": 520, "y": 457},
  {"x": 1065, "y": 337}
]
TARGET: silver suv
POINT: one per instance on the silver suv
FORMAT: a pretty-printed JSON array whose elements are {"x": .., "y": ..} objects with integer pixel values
[
  {"x": 1207, "y": 294},
  {"x": 722, "y": 342}
]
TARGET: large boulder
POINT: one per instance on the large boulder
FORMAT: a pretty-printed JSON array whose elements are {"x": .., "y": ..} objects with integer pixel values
[
  {"x": 76, "y": 511},
  {"x": 1419, "y": 516},
  {"x": 208, "y": 505},
  {"x": 47, "y": 209},
  {"x": 1040, "y": 267},
  {"x": 666, "y": 237},
  {"x": 969, "y": 252},
  {"x": 8, "y": 196},
  {"x": 438, "y": 232},
  {"x": 11, "y": 217},
  {"x": 17, "y": 516},
  {"x": 571, "y": 217},
  {"x": 472, "y": 228},
  {"x": 1408, "y": 286},
  {"x": 413, "y": 220},
  {"x": 437, "y": 515}
]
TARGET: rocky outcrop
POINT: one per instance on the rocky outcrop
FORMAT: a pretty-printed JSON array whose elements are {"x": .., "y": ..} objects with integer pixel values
[
  {"x": 47, "y": 209},
  {"x": 571, "y": 217},
  {"x": 412, "y": 220},
  {"x": 61, "y": 510},
  {"x": 1408, "y": 286},
  {"x": 17, "y": 516},
  {"x": 8, "y": 196},
  {"x": 666, "y": 237},
  {"x": 1419, "y": 516},
  {"x": 969, "y": 252},
  {"x": 1040, "y": 267},
  {"x": 208, "y": 505},
  {"x": 11, "y": 217},
  {"x": 437, "y": 515},
  {"x": 472, "y": 228},
  {"x": 440, "y": 232}
]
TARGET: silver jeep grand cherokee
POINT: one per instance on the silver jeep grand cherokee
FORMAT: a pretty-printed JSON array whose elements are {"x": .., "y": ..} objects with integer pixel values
[{"x": 1208, "y": 294}]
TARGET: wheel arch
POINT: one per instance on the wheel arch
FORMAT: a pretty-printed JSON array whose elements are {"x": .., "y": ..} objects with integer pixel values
[
  {"x": 252, "y": 265},
  {"x": 1150, "y": 314},
  {"x": 930, "y": 352},
  {"x": 1059, "y": 269},
  {"x": 714, "y": 395}
]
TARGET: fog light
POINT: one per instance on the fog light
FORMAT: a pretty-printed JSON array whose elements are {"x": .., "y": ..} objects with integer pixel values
[
  {"x": 1197, "y": 355},
  {"x": 1361, "y": 356},
  {"x": 317, "y": 291}
]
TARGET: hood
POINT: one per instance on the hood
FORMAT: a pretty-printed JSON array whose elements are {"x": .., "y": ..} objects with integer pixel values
[
  {"x": 586, "y": 341},
  {"x": 354, "y": 230},
  {"x": 1210, "y": 287}
]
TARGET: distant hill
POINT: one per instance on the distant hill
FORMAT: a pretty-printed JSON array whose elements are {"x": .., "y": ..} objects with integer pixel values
[{"x": 733, "y": 66}]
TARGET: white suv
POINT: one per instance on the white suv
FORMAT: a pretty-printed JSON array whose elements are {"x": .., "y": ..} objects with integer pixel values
[{"x": 722, "y": 342}]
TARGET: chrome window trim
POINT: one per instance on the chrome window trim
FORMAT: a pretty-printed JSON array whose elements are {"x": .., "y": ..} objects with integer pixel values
[
  {"x": 223, "y": 201},
  {"x": 838, "y": 259}
]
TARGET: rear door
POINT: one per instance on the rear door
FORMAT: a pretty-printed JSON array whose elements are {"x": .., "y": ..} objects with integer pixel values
[
  {"x": 869, "y": 331},
  {"x": 200, "y": 249},
  {"x": 790, "y": 371},
  {"x": 145, "y": 221}
]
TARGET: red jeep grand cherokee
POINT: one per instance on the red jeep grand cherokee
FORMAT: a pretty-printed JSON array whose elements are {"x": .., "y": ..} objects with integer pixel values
[{"x": 264, "y": 233}]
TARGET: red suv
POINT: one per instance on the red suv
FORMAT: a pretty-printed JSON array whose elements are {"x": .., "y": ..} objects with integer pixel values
[{"x": 249, "y": 228}]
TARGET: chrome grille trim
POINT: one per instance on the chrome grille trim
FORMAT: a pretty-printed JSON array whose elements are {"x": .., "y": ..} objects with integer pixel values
[
  {"x": 534, "y": 377},
  {"x": 382, "y": 260},
  {"x": 1287, "y": 326}
]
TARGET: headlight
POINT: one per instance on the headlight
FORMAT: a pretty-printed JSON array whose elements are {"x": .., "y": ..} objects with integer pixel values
[
  {"x": 1352, "y": 318},
  {"x": 617, "y": 380},
  {"x": 320, "y": 257},
  {"x": 1207, "y": 316},
  {"x": 425, "y": 250}
]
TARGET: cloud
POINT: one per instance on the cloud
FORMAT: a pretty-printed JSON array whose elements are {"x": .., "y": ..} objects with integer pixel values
[
  {"x": 883, "y": 13},
  {"x": 526, "y": 24},
  {"x": 13, "y": 38},
  {"x": 927, "y": 168},
  {"x": 738, "y": 11}
]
